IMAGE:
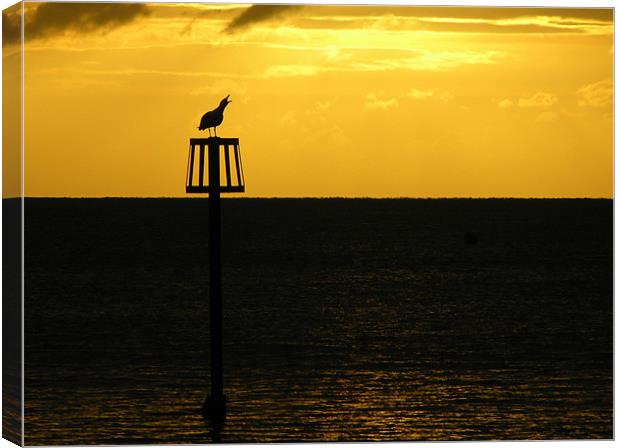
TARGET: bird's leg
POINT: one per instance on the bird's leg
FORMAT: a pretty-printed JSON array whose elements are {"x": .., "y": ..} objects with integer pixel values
[
  {"x": 209, "y": 129},
  {"x": 215, "y": 130}
]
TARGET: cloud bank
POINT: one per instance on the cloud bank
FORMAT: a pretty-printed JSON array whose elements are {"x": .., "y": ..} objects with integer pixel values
[
  {"x": 259, "y": 13},
  {"x": 53, "y": 19}
]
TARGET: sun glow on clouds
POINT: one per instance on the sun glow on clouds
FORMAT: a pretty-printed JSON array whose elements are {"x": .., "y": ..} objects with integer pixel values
[
  {"x": 598, "y": 94},
  {"x": 539, "y": 99},
  {"x": 424, "y": 61},
  {"x": 422, "y": 94},
  {"x": 544, "y": 22},
  {"x": 443, "y": 88},
  {"x": 374, "y": 102}
]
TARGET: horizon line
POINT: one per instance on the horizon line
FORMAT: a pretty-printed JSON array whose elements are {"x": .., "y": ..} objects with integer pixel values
[{"x": 329, "y": 197}]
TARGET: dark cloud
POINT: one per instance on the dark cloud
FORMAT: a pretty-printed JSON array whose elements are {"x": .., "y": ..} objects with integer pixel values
[
  {"x": 11, "y": 25},
  {"x": 52, "y": 19},
  {"x": 259, "y": 13},
  {"x": 186, "y": 11}
]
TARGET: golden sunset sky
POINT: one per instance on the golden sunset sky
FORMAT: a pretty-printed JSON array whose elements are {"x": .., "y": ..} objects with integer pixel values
[{"x": 356, "y": 101}]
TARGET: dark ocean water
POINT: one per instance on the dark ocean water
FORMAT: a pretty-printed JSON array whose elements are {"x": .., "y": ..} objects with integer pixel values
[{"x": 344, "y": 320}]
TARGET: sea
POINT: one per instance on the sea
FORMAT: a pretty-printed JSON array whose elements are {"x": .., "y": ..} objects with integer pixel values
[{"x": 344, "y": 320}]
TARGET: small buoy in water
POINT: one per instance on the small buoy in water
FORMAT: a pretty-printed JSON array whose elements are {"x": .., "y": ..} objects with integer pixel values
[{"x": 470, "y": 238}]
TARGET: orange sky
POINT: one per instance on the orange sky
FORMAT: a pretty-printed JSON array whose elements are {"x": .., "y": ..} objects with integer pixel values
[{"x": 327, "y": 100}]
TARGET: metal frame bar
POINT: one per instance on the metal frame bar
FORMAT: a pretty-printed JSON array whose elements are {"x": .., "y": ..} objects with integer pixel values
[
  {"x": 226, "y": 159},
  {"x": 201, "y": 167},
  {"x": 191, "y": 166},
  {"x": 239, "y": 178},
  {"x": 241, "y": 164}
]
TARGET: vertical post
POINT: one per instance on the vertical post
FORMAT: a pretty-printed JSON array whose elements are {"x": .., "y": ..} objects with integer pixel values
[
  {"x": 215, "y": 405},
  {"x": 227, "y": 160},
  {"x": 190, "y": 180},
  {"x": 239, "y": 175},
  {"x": 201, "y": 166}
]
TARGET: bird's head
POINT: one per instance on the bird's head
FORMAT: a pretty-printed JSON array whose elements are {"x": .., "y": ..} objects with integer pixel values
[{"x": 225, "y": 102}]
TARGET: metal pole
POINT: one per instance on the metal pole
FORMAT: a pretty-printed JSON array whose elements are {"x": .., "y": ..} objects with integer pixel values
[{"x": 215, "y": 405}]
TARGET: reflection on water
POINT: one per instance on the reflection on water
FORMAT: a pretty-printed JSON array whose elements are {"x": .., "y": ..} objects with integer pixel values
[{"x": 344, "y": 321}]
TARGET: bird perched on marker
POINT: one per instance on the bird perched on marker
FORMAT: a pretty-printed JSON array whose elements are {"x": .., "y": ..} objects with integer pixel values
[{"x": 214, "y": 118}]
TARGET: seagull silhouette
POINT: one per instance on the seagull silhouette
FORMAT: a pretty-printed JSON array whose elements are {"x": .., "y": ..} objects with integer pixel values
[{"x": 214, "y": 118}]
